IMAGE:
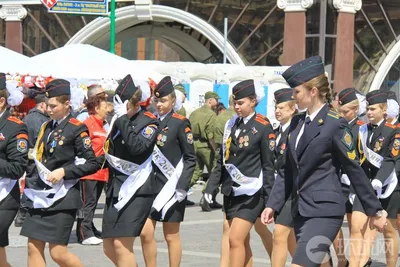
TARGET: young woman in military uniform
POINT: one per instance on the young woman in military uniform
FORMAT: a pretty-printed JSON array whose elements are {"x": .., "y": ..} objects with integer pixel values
[
  {"x": 284, "y": 239},
  {"x": 349, "y": 107},
  {"x": 245, "y": 169},
  {"x": 319, "y": 143},
  {"x": 173, "y": 161},
  {"x": 382, "y": 143},
  {"x": 128, "y": 151},
  {"x": 62, "y": 155},
  {"x": 13, "y": 161}
]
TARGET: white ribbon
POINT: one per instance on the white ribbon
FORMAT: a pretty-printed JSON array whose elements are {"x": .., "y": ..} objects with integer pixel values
[
  {"x": 166, "y": 198},
  {"x": 373, "y": 157},
  {"x": 344, "y": 179},
  {"x": 248, "y": 185},
  {"x": 6, "y": 185}
]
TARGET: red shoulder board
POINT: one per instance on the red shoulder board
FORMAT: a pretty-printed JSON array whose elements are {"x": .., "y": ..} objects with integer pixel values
[
  {"x": 178, "y": 116},
  {"x": 390, "y": 125},
  {"x": 75, "y": 121},
  {"x": 150, "y": 115},
  {"x": 15, "y": 119},
  {"x": 262, "y": 117},
  {"x": 360, "y": 122},
  {"x": 262, "y": 121}
]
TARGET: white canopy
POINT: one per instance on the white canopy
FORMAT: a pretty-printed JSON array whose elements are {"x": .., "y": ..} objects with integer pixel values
[{"x": 13, "y": 62}]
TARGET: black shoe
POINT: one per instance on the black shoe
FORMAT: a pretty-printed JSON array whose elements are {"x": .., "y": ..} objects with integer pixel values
[
  {"x": 189, "y": 203},
  {"x": 20, "y": 218},
  {"x": 205, "y": 206},
  {"x": 97, "y": 233},
  {"x": 215, "y": 205},
  {"x": 369, "y": 262}
]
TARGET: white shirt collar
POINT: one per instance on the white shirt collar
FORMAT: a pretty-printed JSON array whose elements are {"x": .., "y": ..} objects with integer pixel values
[
  {"x": 350, "y": 122},
  {"x": 1, "y": 115},
  {"x": 246, "y": 119},
  {"x": 315, "y": 113},
  {"x": 163, "y": 116},
  {"x": 59, "y": 121},
  {"x": 379, "y": 123},
  {"x": 285, "y": 126}
]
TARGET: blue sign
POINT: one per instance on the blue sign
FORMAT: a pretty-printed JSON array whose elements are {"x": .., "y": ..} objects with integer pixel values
[
  {"x": 87, "y": 7},
  {"x": 187, "y": 90},
  {"x": 222, "y": 89},
  {"x": 262, "y": 105}
]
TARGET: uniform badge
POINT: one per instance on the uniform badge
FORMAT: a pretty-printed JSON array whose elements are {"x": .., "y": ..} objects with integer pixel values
[
  {"x": 320, "y": 121},
  {"x": 189, "y": 137},
  {"x": 159, "y": 140},
  {"x": 283, "y": 148},
  {"x": 271, "y": 145},
  {"x": 347, "y": 139},
  {"x": 254, "y": 130},
  {"x": 241, "y": 140},
  {"x": 22, "y": 145},
  {"x": 2, "y": 138},
  {"x": 396, "y": 147},
  {"x": 246, "y": 140},
  {"x": 60, "y": 143},
  {"x": 377, "y": 146},
  {"x": 87, "y": 143},
  {"x": 351, "y": 155},
  {"x": 148, "y": 132}
]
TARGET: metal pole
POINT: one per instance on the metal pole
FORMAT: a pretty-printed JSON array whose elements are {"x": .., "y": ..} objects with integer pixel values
[
  {"x": 225, "y": 37},
  {"x": 112, "y": 27}
]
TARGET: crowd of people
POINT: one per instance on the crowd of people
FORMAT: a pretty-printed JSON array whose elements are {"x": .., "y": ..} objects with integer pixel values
[{"x": 332, "y": 154}]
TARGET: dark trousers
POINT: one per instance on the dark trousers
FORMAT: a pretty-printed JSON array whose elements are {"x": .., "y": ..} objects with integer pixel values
[{"x": 91, "y": 192}]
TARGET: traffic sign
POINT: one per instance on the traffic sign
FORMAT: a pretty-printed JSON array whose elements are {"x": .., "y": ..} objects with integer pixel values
[{"x": 84, "y": 7}]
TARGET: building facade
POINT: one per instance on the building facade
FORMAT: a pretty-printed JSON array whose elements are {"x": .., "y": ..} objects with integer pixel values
[{"x": 359, "y": 40}]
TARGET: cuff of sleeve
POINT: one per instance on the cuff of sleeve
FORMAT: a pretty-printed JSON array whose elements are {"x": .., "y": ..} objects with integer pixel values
[{"x": 68, "y": 173}]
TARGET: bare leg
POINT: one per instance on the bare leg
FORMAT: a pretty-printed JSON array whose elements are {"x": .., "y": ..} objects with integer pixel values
[
  {"x": 391, "y": 243},
  {"x": 123, "y": 247},
  {"x": 108, "y": 248},
  {"x": 63, "y": 257},
  {"x": 239, "y": 231},
  {"x": 280, "y": 247},
  {"x": 265, "y": 235},
  {"x": 172, "y": 236},
  {"x": 36, "y": 253},
  {"x": 149, "y": 245},
  {"x": 224, "y": 261}
]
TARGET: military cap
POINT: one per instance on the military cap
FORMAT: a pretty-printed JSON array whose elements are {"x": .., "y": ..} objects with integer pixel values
[
  {"x": 303, "y": 71},
  {"x": 3, "y": 80},
  {"x": 126, "y": 88},
  {"x": 376, "y": 97},
  {"x": 180, "y": 87},
  {"x": 58, "y": 87},
  {"x": 211, "y": 94},
  {"x": 243, "y": 89},
  {"x": 283, "y": 95},
  {"x": 391, "y": 95},
  {"x": 346, "y": 96},
  {"x": 164, "y": 87}
]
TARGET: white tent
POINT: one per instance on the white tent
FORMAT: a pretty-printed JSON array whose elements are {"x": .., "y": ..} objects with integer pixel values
[{"x": 13, "y": 62}]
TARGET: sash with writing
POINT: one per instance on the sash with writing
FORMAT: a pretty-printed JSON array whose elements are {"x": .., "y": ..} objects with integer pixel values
[
  {"x": 248, "y": 185},
  {"x": 166, "y": 198},
  {"x": 40, "y": 198},
  {"x": 6, "y": 185}
]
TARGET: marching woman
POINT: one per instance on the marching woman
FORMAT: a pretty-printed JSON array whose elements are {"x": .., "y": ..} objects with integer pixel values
[
  {"x": 62, "y": 154},
  {"x": 284, "y": 239},
  {"x": 245, "y": 169},
  {"x": 350, "y": 105},
  {"x": 13, "y": 161},
  {"x": 128, "y": 151},
  {"x": 173, "y": 161},
  {"x": 381, "y": 143},
  {"x": 319, "y": 143}
]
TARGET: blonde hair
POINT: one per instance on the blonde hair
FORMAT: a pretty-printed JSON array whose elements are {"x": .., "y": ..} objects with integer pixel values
[
  {"x": 321, "y": 82},
  {"x": 136, "y": 97}
]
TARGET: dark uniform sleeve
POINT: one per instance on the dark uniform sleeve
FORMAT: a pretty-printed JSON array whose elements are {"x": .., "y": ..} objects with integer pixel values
[
  {"x": 396, "y": 149},
  {"x": 83, "y": 150},
  {"x": 215, "y": 178},
  {"x": 268, "y": 143},
  {"x": 138, "y": 140},
  {"x": 185, "y": 139},
  {"x": 17, "y": 154},
  {"x": 350, "y": 162},
  {"x": 389, "y": 159}
]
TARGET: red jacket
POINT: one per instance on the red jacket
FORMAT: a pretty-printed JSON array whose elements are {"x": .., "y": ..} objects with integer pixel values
[{"x": 98, "y": 135}]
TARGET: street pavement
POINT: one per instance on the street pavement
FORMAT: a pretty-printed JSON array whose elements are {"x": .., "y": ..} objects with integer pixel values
[{"x": 200, "y": 232}]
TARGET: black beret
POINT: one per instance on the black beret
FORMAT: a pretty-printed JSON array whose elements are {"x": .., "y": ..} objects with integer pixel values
[
  {"x": 391, "y": 95},
  {"x": 3, "y": 81},
  {"x": 376, "y": 97},
  {"x": 283, "y": 95},
  {"x": 126, "y": 88},
  {"x": 58, "y": 87},
  {"x": 303, "y": 71},
  {"x": 243, "y": 89},
  {"x": 346, "y": 96},
  {"x": 164, "y": 87}
]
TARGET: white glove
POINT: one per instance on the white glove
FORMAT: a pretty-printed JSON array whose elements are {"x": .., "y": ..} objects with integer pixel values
[
  {"x": 208, "y": 198},
  {"x": 376, "y": 185},
  {"x": 120, "y": 108},
  {"x": 180, "y": 194}
]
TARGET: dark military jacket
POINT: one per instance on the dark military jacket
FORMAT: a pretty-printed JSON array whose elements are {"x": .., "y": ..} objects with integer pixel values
[
  {"x": 13, "y": 156},
  {"x": 175, "y": 141},
  {"x": 60, "y": 147},
  {"x": 280, "y": 149},
  {"x": 132, "y": 140},
  {"x": 251, "y": 152}
]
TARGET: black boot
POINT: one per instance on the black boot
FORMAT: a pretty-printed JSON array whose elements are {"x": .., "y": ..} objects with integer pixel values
[
  {"x": 189, "y": 203},
  {"x": 205, "y": 206},
  {"x": 20, "y": 218},
  {"x": 215, "y": 204}
]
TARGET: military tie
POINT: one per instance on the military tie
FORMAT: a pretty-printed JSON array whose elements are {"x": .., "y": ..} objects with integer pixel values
[
  {"x": 301, "y": 144},
  {"x": 278, "y": 138}
]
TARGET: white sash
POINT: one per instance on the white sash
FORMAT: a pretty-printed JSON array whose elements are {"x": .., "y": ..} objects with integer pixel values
[
  {"x": 344, "y": 179},
  {"x": 40, "y": 197},
  {"x": 137, "y": 176},
  {"x": 248, "y": 185},
  {"x": 6, "y": 185},
  {"x": 165, "y": 199}
]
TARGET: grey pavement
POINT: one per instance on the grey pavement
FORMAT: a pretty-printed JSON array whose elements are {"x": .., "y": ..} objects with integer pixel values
[{"x": 200, "y": 232}]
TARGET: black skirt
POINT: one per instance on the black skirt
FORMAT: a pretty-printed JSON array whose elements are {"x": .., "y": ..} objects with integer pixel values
[
  {"x": 285, "y": 216},
  {"x": 175, "y": 213},
  {"x": 244, "y": 207},
  {"x": 390, "y": 204},
  {"x": 7, "y": 217},
  {"x": 129, "y": 221},
  {"x": 53, "y": 227}
]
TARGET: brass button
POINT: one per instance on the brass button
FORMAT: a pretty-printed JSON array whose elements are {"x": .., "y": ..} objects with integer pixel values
[{"x": 297, "y": 191}]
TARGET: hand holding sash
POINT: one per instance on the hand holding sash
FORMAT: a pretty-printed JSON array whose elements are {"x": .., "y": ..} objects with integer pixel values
[{"x": 55, "y": 176}]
